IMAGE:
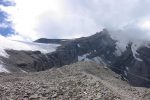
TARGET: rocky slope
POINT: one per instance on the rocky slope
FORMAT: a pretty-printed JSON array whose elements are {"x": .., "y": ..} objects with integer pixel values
[{"x": 79, "y": 81}]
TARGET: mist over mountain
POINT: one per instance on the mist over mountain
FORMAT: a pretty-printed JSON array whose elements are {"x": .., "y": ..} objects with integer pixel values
[{"x": 101, "y": 48}]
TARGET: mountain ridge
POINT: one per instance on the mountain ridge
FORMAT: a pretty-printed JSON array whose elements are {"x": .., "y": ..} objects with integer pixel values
[{"x": 100, "y": 48}]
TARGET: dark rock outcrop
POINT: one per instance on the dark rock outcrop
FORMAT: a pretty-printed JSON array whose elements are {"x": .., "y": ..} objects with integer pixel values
[
  {"x": 99, "y": 44},
  {"x": 26, "y": 61}
]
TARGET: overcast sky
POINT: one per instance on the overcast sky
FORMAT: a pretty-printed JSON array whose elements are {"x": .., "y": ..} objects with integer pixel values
[{"x": 33, "y": 19}]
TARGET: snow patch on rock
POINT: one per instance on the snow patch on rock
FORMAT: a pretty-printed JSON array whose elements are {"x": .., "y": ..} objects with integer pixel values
[
  {"x": 99, "y": 60},
  {"x": 123, "y": 40},
  {"x": 78, "y": 45},
  {"x": 3, "y": 69},
  {"x": 134, "y": 48},
  {"x": 3, "y": 53},
  {"x": 83, "y": 57}
]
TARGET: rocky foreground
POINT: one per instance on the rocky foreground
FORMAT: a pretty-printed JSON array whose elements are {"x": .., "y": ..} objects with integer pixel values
[{"x": 79, "y": 81}]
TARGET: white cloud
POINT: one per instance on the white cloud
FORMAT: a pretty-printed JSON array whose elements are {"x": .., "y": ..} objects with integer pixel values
[
  {"x": 74, "y": 18},
  {"x": 26, "y": 12}
]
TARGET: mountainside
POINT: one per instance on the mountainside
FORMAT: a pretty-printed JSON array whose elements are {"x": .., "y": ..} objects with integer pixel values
[
  {"x": 79, "y": 81},
  {"x": 136, "y": 70},
  {"x": 132, "y": 63}
]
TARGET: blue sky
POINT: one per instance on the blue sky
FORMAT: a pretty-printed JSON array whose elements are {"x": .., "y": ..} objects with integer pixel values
[
  {"x": 6, "y": 3},
  {"x": 5, "y": 25},
  {"x": 73, "y": 18}
]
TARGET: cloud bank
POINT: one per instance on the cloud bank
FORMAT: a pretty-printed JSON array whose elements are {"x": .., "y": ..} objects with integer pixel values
[{"x": 75, "y": 18}]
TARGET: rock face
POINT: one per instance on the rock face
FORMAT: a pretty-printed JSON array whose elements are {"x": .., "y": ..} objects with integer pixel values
[
  {"x": 100, "y": 48},
  {"x": 99, "y": 44},
  {"x": 27, "y": 61},
  {"x": 136, "y": 71}
]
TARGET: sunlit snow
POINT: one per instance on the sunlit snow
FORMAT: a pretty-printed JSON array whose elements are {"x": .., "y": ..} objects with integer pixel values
[
  {"x": 3, "y": 69},
  {"x": 27, "y": 46},
  {"x": 83, "y": 57}
]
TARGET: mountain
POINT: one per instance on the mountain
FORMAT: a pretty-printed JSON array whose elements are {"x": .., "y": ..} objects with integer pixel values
[{"x": 132, "y": 63}]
